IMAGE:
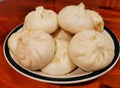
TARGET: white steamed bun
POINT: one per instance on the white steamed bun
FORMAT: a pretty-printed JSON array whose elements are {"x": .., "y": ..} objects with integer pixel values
[
  {"x": 12, "y": 42},
  {"x": 41, "y": 19},
  {"x": 32, "y": 49},
  {"x": 61, "y": 63},
  {"x": 91, "y": 50},
  {"x": 98, "y": 20},
  {"x": 74, "y": 18}
]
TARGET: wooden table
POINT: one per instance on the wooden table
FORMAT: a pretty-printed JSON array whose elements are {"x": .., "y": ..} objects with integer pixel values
[{"x": 13, "y": 12}]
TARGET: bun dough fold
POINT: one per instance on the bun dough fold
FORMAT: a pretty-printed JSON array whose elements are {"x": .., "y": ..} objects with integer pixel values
[
  {"x": 32, "y": 49},
  {"x": 61, "y": 63},
  {"x": 41, "y": 19},
  {"x": 91, "y": 50}
]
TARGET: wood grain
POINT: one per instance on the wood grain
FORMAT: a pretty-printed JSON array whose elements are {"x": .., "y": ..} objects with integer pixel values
[{"x": 13, "y": 12}]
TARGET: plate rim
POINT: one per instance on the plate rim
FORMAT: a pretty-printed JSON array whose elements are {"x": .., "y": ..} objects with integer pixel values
[{"x": 71, "y": 80}]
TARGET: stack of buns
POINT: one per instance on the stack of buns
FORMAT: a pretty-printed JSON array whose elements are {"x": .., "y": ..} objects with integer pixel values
[{"x": 57, "y": 44}]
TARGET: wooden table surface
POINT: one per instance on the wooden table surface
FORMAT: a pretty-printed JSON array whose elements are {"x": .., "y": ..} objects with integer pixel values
[{"x": 13, "y": 12}]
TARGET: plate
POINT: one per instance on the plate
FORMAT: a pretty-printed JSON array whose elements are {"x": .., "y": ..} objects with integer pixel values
[{"x": 76, "y": 76}]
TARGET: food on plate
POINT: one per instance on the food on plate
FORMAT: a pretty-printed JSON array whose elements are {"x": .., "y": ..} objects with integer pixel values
[
  {"x": 57, "y": 44},
  {"x": 91, "y": 50},
  {"x": 33, "y": 49},
  {"x": 41, "y": 19},
  {"x": 61, "y": 63},
  {"x": 74, "y": 18}
]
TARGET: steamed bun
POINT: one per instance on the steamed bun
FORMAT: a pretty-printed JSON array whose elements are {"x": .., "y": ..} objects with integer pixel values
[
  {"x": 91, "y": 50},
  {"x": 12, "y": 42},
  {"x": 32, "y": 49},
  {"x": 74, "y": 18},
  {"x": 61, "y": 63},
  {"x": 41, "y": 19},
  {"x": 98, "y": 20}
]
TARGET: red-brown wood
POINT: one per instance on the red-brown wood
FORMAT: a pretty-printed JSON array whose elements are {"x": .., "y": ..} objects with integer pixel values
[{"x": 13, "y": 12}]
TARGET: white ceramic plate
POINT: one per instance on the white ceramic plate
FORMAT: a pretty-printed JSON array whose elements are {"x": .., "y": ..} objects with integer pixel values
[{"x": 74, "y": 77}]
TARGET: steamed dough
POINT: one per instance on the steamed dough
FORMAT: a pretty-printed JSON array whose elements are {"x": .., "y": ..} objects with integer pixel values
[
  {"x": 97, "y": 20},
  {"x": 74, "y": 18},
  {"x": 91, "y": 50},
  {"x": 41, "y": 19},
  {"x": 32, "y": 49},
  {"x": 57, "y": 44},
  {"x": 61, "y": 63},
  {"x": 12, "y": 42}
]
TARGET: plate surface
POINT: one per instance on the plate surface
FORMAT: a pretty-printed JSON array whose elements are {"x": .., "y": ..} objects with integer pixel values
[{"x": 74, "y": 77}]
